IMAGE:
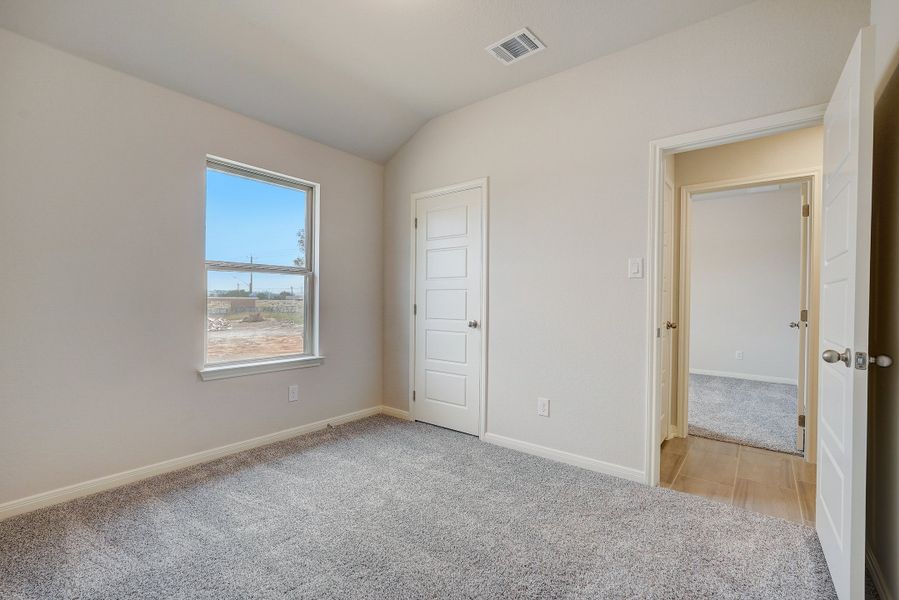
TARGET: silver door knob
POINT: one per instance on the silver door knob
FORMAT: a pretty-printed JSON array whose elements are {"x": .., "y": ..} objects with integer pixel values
[
  {"x": 473, "y": 324},
  {"x": 832, "y": 356},
  {"x": 881, "y": 360},
  {"x": 670, "y": 325},
  {"x": 794, "y": 324}
]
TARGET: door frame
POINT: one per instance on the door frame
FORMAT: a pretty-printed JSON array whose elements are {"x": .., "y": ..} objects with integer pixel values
[
  {"x": 681, "y": 388},
  {"x": 483, "y": 184},
  {"x": 658, "y": 149}
]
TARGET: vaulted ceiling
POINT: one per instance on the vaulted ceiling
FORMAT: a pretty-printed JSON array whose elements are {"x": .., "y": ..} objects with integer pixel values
[{"x": 359, "y": 75}]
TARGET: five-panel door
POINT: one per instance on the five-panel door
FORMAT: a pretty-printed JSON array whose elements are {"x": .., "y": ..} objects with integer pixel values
[{"x": 448, "y": 320}]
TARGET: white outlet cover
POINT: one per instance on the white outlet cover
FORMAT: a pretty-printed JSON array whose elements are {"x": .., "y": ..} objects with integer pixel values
[
  {"x": 738, "y": 355},
  {"x": 543, "y": 407},
  {"x": 293, "y": 393}
]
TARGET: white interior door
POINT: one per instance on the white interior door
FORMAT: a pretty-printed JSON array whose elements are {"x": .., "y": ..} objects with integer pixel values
[
  {"x": 845, "y": 273},
  {"x": 666, "y": 316},
  {"x": 448, "y": 319}
]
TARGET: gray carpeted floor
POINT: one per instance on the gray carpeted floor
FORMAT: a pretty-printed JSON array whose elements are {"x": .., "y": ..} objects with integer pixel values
[
  {"x": 383, "y": 508},
  {"x": 752, "y": 413}
]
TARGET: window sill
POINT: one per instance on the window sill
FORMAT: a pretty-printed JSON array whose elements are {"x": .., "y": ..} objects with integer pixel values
[{"x": 255, "y": 368}]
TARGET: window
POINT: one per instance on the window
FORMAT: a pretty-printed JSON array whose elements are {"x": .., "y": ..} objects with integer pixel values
[{"x": 259, "y": 268}]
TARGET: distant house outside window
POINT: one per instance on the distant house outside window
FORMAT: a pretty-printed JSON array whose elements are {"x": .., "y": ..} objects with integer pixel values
[{"x": 259, "y": 265}]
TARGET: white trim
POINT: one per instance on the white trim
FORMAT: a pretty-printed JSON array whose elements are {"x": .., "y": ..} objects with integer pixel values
[
  {"x": 397, "y": 413},
  {"x": 210, "y": 373},
  {"x": 746, "y": 376},
  {"x": 108, "y": 482},
  {"x": 577, "y": 460},
  {"x": 481, "y": 183},
  {"x": 877, "y": 574},
  {"x": 658, "y": 149}
]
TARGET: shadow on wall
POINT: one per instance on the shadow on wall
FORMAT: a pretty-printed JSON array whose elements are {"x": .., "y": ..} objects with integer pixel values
[{"x": 883, "y": 417}]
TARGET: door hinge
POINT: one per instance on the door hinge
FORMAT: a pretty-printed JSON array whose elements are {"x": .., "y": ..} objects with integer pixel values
[
  {"x": 802, "y": 420},
  {"x": 416, "y": 222},
  {"x": 414, "y": 309},
  {"x": 806, "y": 210},
  {"x": 803, "y": 315},
  {"x": 413, "y": 395}
]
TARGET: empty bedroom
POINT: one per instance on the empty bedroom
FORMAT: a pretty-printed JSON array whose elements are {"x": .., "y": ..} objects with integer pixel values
[{"x": 414, "y": 299}]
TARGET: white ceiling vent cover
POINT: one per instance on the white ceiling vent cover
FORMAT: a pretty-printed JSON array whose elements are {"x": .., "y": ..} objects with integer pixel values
[{"x": 513, "y": 48}]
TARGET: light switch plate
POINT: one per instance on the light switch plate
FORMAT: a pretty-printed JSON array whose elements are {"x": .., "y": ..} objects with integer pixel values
[
  {"x": 635, "y": 268},
  {"x": 293, "y": 393}
]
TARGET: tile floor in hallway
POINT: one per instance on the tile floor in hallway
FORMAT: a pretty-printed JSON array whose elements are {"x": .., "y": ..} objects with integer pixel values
[{"x": 763, "y": 481}]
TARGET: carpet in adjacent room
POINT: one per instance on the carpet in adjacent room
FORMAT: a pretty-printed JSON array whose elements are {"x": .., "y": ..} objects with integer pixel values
[{"x": 751, "y": 413}]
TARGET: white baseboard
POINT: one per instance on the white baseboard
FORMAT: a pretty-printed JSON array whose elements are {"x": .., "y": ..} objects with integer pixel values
[
  {"x": 86, "y": 488},
  {"x": 566, "y": 457},
  {"x": 747, "y": 376},
  {"x": 396, "y": 412},
  {"x": 877, "y": 574},
  {"x": 108, "y": 482}
]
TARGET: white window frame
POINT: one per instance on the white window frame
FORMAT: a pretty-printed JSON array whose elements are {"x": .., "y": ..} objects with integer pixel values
[{"x": 310, "y": 356}]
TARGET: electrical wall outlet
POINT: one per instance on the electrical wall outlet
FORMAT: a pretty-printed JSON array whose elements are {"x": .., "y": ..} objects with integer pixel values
[
  {"x": 293, "y": 393},
  {"x": 543, "y": 407},
  {"x": 738, "y": 355}
]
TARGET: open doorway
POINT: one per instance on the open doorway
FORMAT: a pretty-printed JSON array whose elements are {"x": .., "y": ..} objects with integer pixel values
[{"x": 739, "y": 233}]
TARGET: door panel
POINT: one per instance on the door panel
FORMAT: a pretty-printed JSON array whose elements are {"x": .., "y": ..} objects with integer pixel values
[
  {"x": 845, "y": 282},
  {"x": 448, "y": 331}
]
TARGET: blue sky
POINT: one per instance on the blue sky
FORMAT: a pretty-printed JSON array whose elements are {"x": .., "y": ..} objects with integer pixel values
[{"x": 246, "y": 217}]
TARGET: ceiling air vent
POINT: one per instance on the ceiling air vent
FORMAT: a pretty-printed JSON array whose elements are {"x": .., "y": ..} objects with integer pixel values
[{"x": 513, "y": 48}]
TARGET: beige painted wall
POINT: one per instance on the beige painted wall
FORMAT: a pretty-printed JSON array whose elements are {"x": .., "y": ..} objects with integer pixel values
[
  {"x": 883, "y": 415},
  {"x": 885, "y": 16},
  {"x": 792, "y": 152},
  {"x": 101, "y": 234},
  {"x": 568, "y": 163}
]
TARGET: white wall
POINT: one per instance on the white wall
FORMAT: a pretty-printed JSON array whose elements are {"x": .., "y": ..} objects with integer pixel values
[
  {"x": 568, "y": 163},
  {"x": 744, "y": 284},
  {"x": 102, "y": 309}
]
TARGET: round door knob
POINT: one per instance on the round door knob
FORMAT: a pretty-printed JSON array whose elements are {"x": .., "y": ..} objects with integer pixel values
[
  {"x": 473, "y": 324},
  {"x": 794, "y": 324},
  {"x": 670, "y": 325},
  {"x": 881, "y": 360},
  {"x": 832, "y": 356}
]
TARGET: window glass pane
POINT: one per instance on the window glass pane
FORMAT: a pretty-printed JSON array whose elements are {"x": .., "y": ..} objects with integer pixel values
[
  {"x": 252, "y": 316},
  {"x": 254, "y": 221}
]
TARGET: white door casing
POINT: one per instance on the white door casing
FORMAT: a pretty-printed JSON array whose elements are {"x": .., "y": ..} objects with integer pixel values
[
  {"x": 448, "y": 307},
  {"x": 845, "y": 282}
]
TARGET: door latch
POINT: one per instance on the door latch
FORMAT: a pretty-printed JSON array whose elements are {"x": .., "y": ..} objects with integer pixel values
[{"x": 863, "y": 360}]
